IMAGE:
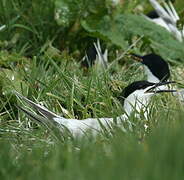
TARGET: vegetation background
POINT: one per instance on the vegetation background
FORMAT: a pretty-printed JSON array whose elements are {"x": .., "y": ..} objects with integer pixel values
[{"x": 41, "y": 47}]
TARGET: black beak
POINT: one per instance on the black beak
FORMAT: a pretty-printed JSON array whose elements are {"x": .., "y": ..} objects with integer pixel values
[
  {"x": 136, "y": 57},
  {"x": 153, "y": 88}
]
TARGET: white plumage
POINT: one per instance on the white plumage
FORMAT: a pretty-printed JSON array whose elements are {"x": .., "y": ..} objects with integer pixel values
[
  {"x": 168, "y": 18},
  {"x": 137, "y": 98}
]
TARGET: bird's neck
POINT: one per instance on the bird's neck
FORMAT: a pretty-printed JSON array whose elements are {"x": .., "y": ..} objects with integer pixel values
[
  {"x": 150, "y": 76},
  {"x": 137, "y": 104}
]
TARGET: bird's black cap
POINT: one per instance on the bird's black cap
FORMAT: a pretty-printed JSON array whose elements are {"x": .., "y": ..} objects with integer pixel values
[
  {"x": 152, "y": 14},
  {"x": 137, "y": 85},
  {"x": 156, "y": 64},
  {"x": 90, "y": 58}
]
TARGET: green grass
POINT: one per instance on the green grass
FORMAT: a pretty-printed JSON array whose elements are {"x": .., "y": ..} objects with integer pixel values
[
  {"x": 33, "y": 62},
  {"x": 28, "y": 150},
  {"x": 159, "y": 156}
]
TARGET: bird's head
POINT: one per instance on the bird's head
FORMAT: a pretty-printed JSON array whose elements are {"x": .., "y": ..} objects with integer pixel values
[
  {"x": 156, "y": 68},
  {"x": 136, "y": 96},
  {"x": 152, "y": 15}
]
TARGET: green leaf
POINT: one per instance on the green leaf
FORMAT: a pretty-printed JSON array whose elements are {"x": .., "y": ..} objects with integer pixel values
[
  {"x": 68, "y": 11},
  {"x": 105, "y": 29},
  {"x": 123, "y": 27}
]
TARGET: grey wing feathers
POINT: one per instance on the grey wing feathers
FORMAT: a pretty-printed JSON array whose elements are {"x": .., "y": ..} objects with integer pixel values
[
  {"x": 52, "y": 126},
  {"x": 42, "y": 110},
  {"x": 170, "y": 17},
  {"x": 31, "y": 115}
]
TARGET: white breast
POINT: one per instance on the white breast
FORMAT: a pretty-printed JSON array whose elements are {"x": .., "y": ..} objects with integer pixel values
[
  {"x": 150, "y": 76},
  {"x": 137, "y": 102}
]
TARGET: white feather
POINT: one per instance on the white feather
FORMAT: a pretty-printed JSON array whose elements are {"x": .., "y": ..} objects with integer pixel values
[
  {"x": 136, "y": 102},
  {"x": 169, "y": 18}
]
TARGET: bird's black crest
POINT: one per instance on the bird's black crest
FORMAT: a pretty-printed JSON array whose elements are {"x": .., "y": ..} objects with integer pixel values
[
  {"x": 158, "y": 66},
  {"x": 91, "y": 54},
  {"x": 152, "y": 15},
  {"x": 133, "y": 87}
]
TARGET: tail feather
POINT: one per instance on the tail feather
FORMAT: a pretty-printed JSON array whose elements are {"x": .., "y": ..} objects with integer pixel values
[
  {"x": 102, "y": 58},
  {"x": 171, "y": 10},
  {"x": 47, "y": 118},
  {"x": 42, "y": 110},
  {"x": 52, "y": 126},
  {"x": 161, "y": 12},
  {"x": 33, "y": 116},
  {"x": 169, "y": 16}
]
